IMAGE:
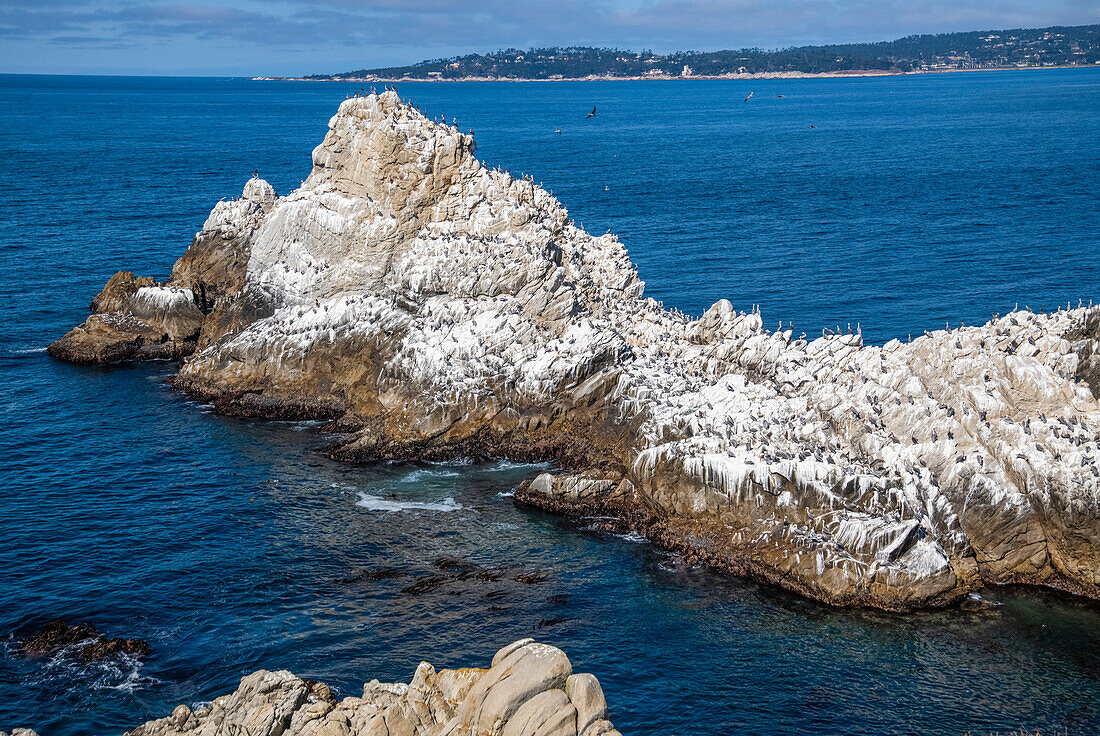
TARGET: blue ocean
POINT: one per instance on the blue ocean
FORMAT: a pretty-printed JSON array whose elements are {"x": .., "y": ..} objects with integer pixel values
[{"x": 894, "y": 205}]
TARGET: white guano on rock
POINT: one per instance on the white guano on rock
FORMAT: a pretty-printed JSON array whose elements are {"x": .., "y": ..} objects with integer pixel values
[{"x": 440, "y": 308}]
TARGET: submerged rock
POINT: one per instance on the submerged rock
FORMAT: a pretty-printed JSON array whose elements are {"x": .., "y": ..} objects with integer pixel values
[
  {"x": 529, "y": 690},
  {"x": 84, "y": 639},
  {"x": 440, "y": 309}
]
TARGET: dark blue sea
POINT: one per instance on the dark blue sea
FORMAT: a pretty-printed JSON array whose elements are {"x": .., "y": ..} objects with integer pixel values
[{"x": 897, "y": 204}]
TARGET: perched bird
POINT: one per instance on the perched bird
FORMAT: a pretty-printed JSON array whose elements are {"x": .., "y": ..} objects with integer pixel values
[
  {"x": 750, "y": 95},
  {"x": 591, "y": 113}
]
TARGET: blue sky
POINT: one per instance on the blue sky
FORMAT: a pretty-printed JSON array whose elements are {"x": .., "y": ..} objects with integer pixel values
[{"x": 290, "y": 37}]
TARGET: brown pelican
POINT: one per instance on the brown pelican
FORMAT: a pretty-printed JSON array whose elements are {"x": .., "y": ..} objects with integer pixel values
[
  {"x": 591, "y": 113},
  {"x": 750, "y": 95}
]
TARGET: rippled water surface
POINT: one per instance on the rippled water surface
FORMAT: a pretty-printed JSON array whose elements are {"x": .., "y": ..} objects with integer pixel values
[{"x": 231, "y": 545}]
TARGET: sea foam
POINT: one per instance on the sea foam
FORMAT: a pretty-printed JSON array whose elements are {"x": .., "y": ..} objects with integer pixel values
[{"x": 378, "y": 503}]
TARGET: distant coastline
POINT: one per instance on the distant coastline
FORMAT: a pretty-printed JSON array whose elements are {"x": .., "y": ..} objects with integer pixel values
[
  {"x": 672, "y": 78},
  {"x": 1021, "y": 48}
]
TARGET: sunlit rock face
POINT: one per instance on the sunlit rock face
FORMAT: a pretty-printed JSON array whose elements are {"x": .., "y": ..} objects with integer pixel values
[
  {"x": 529, "y": 689},
  {"x": 438, "y": 309}
]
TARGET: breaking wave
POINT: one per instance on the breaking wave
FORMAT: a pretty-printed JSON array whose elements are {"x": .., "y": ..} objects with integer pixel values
[
  {"x": 378, "y": 503},
  {"x": 425, "y": 473}
]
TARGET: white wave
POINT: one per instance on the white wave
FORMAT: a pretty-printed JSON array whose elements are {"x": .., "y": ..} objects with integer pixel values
[
  {"x": 634, "y": 537},
  {"x": 125, "y": 676},
  {"x": 596, "y": 526},
  {"x": 28, "y": 351},
  {"x": 509, "y": 465},
  {"x": 120, "y": 672},
  {"x": 301, "y": 425},
  {"x": 378, "y": 503},
  {"x": 506, "y": 494},
  {"x": 458, "y": 461},
  {"x": 423, "y": 473}
]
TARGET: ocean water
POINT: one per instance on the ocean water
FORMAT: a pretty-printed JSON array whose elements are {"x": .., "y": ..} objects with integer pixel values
[{"x": 895, "y": 204}]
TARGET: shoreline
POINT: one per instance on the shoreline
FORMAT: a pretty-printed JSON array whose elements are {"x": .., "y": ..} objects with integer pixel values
[{"x": 669, "y": 78}]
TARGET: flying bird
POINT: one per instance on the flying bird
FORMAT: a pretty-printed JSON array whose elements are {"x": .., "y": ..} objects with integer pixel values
[
  {"x": 591, "y": 113},
  {"x": 750, "y": 95}
]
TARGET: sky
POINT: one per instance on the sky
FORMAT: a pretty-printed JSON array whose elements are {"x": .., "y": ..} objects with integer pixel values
[{"x": 296, "y": 37}]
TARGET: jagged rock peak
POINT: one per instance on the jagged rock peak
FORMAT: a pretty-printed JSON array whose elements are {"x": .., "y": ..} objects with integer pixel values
[{"x": 397, "y": 202}]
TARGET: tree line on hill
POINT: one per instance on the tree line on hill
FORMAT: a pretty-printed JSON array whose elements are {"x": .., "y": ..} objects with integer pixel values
[{"x": 1055, "y": 46}]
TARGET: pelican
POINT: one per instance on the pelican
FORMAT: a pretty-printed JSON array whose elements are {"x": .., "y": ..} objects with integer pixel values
[
  {"x": 750, "y": 95},
  {"x": 591, "y": 113}
]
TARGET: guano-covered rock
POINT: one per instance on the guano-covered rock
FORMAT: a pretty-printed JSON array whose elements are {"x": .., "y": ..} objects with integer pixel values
[{"x": 437, "y": 308}]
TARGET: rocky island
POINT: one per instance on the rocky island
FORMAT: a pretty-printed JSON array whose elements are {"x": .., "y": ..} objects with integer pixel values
[{"x": 433, "y": 308}]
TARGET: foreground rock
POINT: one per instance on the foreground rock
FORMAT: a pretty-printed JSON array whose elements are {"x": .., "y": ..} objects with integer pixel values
[
  {"x": 529, "y": 690},
  {"x": 440, "y": 309},
  {"x": 84, "y": 640}
]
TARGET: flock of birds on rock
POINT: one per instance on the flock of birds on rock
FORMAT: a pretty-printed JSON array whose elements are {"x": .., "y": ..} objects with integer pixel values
[{"x": 505, "y": 297}]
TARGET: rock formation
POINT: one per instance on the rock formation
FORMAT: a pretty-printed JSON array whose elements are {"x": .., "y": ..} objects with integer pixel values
[
  {"x": 83, "y": 640},
  {"x": 529, "y": 690},
  {"x": 436, "y": 308}
]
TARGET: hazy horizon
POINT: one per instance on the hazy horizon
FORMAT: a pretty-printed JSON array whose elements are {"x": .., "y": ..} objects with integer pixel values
[{"x": 297, "y": 37}]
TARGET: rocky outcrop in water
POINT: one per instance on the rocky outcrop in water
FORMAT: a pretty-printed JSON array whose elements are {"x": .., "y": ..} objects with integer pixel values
[
  {"x": 83, "y": 640},
  {"x": 437, "y": 309},
  {"x": 137, "y": 318},
  {"x": 529, "y": 690}
]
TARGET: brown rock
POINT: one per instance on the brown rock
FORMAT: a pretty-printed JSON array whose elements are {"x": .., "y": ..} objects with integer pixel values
[
  {"x": 92, "y": 645},
  {"x": 118, "y": 291}
]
